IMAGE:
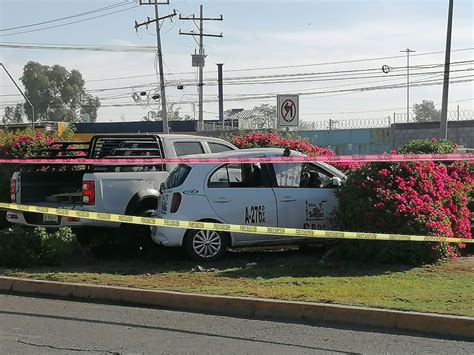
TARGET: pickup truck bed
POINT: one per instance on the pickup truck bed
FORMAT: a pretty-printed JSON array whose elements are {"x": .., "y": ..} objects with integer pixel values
[
  {"x": 131, "y": 190},
  {"x": 62, "y": 187}
]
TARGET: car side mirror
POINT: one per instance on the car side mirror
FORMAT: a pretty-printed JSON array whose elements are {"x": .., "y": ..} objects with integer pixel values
[
  {"x": 336, "y": 181},
  {"x": 162, "y": 187}
]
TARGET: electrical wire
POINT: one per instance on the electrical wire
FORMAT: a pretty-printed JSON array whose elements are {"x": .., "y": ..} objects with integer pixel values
[
  {"x": 234, "y": 82},
  {"x": 105, "y": 48},
  {"x": 67, "y": 17},
  {"x": 69, "y": 23},
  {"x": 453, "y": 80}
]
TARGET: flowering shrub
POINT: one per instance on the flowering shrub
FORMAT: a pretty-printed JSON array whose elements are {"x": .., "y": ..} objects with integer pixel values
[
  {"x": 256, "y": 140},
  {"x": 423, "y": 198},
  {"x": 21, "y": 144}
]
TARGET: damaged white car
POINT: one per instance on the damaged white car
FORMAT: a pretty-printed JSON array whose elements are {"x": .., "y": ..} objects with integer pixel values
[{"x": 294, "y": 195}]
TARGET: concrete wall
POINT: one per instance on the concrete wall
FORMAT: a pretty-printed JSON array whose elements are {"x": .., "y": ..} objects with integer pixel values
[
  {"x": 380, "y": 140},
  {"x": 460, "y": 132},
  {"x": 352, "y": 141}
]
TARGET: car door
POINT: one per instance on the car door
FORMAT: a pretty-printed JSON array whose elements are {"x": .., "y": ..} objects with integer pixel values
[
  {"x": 242, "y": 194},
  {"x": 305, "y": 195}
]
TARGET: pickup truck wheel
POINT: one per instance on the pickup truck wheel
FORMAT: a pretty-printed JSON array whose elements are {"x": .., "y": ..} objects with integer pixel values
[
  {"x": 204, "y": 246},
  {"x": 136, "y": 238}
]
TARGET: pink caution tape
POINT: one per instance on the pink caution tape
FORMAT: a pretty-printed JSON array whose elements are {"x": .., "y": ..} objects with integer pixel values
[{"x": 273, "y": 160}]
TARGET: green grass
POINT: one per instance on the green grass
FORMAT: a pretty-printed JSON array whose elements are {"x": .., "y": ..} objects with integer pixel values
[{"x": 289, "y": 275}]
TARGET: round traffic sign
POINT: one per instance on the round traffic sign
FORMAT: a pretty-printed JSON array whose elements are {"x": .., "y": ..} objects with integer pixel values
[{"x": 288, "y": 110}]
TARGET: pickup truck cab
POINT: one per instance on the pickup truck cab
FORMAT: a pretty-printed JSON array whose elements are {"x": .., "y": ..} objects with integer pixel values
[
  {"x": 293, "y": 195},
  {"x": 131, "y": 190}
]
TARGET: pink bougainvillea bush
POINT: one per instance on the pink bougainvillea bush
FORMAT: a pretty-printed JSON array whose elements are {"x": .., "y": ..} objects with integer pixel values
[
  {"x": 256, "y": 140},
  {"x": 421, "y": 198},
  {"x": 21, "y": 144}
]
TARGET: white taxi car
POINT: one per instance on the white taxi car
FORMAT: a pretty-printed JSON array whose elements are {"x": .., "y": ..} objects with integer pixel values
[{"x": 295, "y": 195}]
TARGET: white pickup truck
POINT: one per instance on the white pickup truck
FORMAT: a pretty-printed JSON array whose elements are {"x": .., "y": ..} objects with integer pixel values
[{"x": 131, "y": 190}]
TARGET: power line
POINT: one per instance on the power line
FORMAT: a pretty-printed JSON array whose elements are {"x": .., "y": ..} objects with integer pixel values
[
  {"x": 143, "y": 86},
  {"x": 69, "y": 23},
  {"x": 423, "y": 66},
  {"x": 454, "y": 80},
  {"x": 124, "y": 48},
  {"x": 85, "y": 47},
  {"x": 346, "y": 61},
  {"x": 274, "y": 81},
  {"x": 67, "y": 17}
]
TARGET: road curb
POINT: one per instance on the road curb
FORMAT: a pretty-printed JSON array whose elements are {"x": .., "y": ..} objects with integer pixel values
[{"x": 259, "y": 308}]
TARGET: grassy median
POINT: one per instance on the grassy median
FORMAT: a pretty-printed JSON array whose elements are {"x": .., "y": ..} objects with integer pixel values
[{"x": 289, "y": 275}]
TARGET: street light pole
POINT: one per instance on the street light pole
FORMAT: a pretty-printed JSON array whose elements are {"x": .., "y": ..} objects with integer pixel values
[
  {"x": 447, "y": 62},
  {"x": 408, "y": 51},
  {"x": 24, "y": 96}
]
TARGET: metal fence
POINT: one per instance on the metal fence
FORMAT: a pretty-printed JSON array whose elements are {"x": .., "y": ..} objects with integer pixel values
[{"x": 384, "y": 122}]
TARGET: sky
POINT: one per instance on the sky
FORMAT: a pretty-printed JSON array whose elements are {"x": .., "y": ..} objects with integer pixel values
[{"x": 309, "y": 38}]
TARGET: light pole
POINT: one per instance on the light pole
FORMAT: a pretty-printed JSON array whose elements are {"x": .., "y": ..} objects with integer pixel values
[
  {"x": 447, "y": 62},
  {"x": 408, "y": 51},
  {"x": 24, "y": 96}
]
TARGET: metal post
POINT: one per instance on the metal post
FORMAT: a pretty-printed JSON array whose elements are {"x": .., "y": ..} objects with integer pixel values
[
  {"x": 408, "y": 51},
  {"x": 24, "y": 96},
  {"x": 200, "y": 66},
  {"x": 447, "y": 62},
  {"x": 458, "y": 112},
  {"x": 164, "y": 115},
  {"x": 201, "y": 72},
  {"x": 221, "y": 93}
]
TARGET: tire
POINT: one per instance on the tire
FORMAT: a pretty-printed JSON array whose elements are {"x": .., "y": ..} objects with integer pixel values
[
  {"x": 134, "y": 239},
  {"x": 206, "y": 246}
]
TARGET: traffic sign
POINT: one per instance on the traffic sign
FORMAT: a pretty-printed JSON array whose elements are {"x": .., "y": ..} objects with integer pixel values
[{"x": 288, "y": 110}]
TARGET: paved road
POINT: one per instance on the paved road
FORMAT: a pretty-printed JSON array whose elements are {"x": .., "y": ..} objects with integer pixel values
[{"x": 43, "y": 326}]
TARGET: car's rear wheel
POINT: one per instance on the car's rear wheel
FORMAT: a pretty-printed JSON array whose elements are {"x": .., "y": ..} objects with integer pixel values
[{"x": 202, "y": 245}]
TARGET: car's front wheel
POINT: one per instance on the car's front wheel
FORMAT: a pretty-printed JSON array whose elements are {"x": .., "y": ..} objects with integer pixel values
[{"x": 202, "y": 245}]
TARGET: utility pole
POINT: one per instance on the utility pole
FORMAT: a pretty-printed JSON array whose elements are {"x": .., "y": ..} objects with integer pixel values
[
  {"x": 24, "y": 96},
  {"x": 221, "y": 93},
  {"x": 198, "y": 60},
  {"x": 408, "y": 51},
  {"x": 157, "y": 20},
  {"x": 447, "y": 63}
]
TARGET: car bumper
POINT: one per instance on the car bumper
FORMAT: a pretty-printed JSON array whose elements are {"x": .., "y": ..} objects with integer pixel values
[
  {"x": 166, "y": 236},
  {"x": 32, "y": 219}
]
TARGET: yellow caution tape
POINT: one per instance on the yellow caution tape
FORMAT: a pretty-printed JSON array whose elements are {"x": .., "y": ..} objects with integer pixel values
[{"x": 236, "y": 228}]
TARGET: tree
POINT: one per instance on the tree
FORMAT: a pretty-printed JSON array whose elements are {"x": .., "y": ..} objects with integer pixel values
[
  {"x": 13, "y": 114},
  {"x": 56, "y": 93},
  {"x": 426, "y": 111},
  {"x": 173, "y": 114},
  {"x": 261, "y": 117},
  {"x": 90, "y": 106}
]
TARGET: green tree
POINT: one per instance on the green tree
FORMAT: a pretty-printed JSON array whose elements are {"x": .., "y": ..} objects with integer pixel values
[
  {"x": 263, "y": 117},
  {"x": 426, "y": 111},
  {"x": 57, "y": 94},
  {"x": 13, "y": 114},
  {"x": 173, "y": 114}
]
